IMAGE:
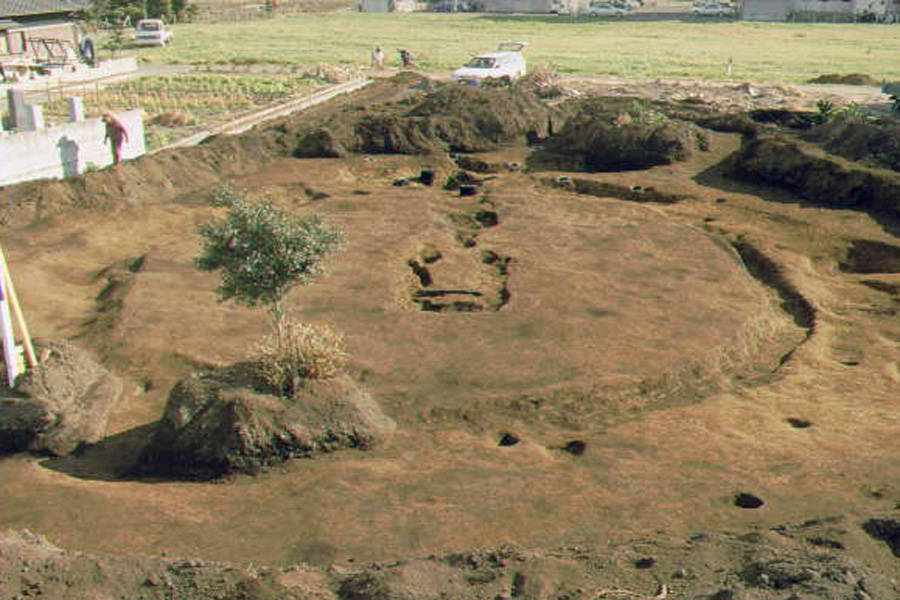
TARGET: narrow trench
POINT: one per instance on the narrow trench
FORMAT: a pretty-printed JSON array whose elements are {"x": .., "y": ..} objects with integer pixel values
[{"x": 769, "y": 273}]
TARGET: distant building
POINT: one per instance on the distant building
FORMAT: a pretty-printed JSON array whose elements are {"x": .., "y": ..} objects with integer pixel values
[
  {"x": 532, "y": 6},
  {"x": 27, "y": 25},
  {"x": 824, "y": 10},
  {"x": 387, "y": 5}
]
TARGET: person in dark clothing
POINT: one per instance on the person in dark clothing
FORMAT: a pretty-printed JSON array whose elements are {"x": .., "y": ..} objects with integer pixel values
[
  {"x": 406, "y": 58},
  {"x": 116, "y": 134}
]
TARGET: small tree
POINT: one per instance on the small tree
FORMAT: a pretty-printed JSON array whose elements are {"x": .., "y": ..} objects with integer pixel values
[
  {"x": 263, "y": 253},
  {"x": 116, "y": 39}
]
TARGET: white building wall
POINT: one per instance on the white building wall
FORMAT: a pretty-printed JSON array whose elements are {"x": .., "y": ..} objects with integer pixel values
[{"x": 65, "y": 150}]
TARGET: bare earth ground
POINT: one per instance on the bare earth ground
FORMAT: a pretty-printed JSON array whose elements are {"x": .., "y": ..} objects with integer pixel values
[{"x": 633, "y": 328}]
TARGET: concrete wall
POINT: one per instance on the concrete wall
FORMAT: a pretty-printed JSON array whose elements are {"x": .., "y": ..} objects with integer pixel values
[{"x": 65, "y": 150}]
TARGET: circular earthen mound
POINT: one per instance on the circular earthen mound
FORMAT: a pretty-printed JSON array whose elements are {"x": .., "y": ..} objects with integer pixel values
[{"x": 227, "y": 422}]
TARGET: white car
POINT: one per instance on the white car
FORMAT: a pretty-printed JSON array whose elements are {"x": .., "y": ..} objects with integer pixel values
[
  {"x": 152, "y": 32},
  {"x": 606, "y": 9},
  {"x": 712, "y": 9},
  {"x": 506, "y": 62}
]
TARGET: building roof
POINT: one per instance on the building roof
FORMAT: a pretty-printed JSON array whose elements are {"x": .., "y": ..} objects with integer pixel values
[{"x": 20, "y": 8}]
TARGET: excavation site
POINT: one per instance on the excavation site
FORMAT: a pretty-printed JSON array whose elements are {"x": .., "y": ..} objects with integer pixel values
[{"x": 601, "y": 342}]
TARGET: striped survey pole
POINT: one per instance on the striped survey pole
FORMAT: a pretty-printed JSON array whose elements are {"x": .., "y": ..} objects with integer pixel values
[
  {"x": 10, "y": 350},
  {"x": 10, "y": 354}
]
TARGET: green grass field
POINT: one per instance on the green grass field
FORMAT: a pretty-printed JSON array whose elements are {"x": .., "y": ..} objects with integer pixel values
[{"x": 763, "y": 52}]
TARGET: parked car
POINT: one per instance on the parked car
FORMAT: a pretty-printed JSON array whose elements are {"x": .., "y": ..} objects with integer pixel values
[
  {"x": 506, "y": 62},
  {"x": 606, "y": 9},
  {"x": 712, "y": 9},
  {"x": 152, "y": 32}
]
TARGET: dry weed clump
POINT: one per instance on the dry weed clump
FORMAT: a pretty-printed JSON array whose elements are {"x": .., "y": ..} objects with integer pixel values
[{"x": 300, "y": 351}]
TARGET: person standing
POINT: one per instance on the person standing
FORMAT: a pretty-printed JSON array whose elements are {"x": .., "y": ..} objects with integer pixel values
[
  {"x": 377, "y": 58},
  {"x": 116, "y": 134}
]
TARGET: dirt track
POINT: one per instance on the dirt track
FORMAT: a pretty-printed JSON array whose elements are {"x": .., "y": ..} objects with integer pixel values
[{"x": 660, "y": 336}]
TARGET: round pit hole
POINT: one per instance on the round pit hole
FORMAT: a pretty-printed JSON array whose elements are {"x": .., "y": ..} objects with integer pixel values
[
  {"x": 745, "y": 500},
  {"x": 508, "y": 439},
  {"x": 644, "y": 563},
  {"x": 575, "y": 447},
  {"x": 798, "y": 423}
]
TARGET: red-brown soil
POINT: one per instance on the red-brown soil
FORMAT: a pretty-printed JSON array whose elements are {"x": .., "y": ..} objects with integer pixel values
[{"x": 654, "y": 360}]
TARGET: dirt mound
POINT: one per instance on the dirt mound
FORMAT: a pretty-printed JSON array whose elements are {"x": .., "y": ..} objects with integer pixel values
[
  {"x": 845, "y": 79},
  {"x": 874, "y": 141},
  {"x": 797, "y": 561},
  {"x": 819, "y": 180},
  {"x": 601, "y": 137},
  {"x": 60, "y": 404},
  {"x": 152, "y": 178},
  {"x": 452, "y": 118},
  {"x": 228, "y": 421},
  {"x": 34, "y": 567}
]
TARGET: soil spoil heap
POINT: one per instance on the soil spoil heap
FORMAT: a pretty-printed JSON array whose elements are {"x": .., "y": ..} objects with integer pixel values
[
  {"x": 230, "y": 421},
  {"x": 60, "y": 404}
]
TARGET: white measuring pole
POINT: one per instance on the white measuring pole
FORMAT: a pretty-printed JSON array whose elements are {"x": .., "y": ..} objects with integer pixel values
[{"x": 10, "y": 354}]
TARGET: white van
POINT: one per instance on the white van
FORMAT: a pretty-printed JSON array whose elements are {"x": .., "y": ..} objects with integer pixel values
[
  {"x": 506, "y": 62},
  {"x": 151, "y": 32}
]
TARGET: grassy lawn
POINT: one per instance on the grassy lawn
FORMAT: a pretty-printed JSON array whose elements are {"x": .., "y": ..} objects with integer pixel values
[{"x": 763, "y": 52}]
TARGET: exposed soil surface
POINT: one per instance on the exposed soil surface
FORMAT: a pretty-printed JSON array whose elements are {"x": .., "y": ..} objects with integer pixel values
[{"x": 679, "y": 381}]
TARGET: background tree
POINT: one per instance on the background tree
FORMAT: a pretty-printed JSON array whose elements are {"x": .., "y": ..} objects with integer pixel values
[
  {"x": 116, "y": 40},
  {"x": 159, "y": 9},
  {"x": 100, "y": 11},
  {"x": 179, "y": 8}
]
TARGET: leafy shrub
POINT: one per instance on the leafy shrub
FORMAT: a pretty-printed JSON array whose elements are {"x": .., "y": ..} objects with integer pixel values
[{"x": 824, "y": 111}]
